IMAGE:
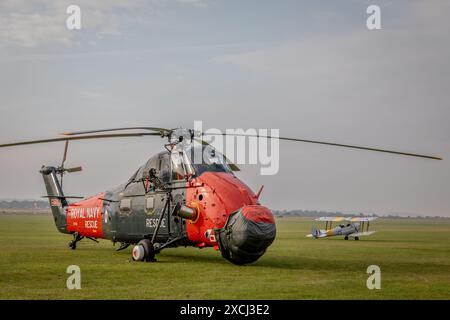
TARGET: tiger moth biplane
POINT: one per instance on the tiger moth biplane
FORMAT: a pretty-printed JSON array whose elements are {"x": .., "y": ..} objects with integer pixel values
[{"x": 350, "y": 227}]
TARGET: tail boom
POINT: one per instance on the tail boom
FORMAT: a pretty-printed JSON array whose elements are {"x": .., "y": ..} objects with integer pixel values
[{"x": 56, "y": 197}]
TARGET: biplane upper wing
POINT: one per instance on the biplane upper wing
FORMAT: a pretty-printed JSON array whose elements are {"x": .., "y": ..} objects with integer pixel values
[
  {"x": 333, "y": 219},
  {"x": 360, "y": 219}
]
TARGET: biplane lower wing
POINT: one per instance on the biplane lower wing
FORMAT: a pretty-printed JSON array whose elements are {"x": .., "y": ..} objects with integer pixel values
[
  {"x": 360, "y": 219},
  {"x": 322, "y": 235},
  {"x": 317, "y": 233},
  {"x": 361, "y": 234}
]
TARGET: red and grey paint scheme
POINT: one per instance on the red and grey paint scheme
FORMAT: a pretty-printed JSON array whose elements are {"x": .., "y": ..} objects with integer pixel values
[{"x": 193, "y": 211}]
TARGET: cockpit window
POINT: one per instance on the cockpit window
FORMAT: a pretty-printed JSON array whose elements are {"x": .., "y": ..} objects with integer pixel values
[
  {"x": 207, "y": 159},
  {"x": 178, "y": 169},
  {"x": 133, "y": 177}
]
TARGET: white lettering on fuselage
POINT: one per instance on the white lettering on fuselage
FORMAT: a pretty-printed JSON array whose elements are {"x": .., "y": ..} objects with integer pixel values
[
  {"x": 153, "y": 223},
  {"x": 89, "y": 224},
  {"x": 84, "y": 213}
]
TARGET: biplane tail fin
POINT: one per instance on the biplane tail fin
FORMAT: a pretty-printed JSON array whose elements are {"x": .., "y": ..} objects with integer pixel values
[{"x": 315, "y": 232}]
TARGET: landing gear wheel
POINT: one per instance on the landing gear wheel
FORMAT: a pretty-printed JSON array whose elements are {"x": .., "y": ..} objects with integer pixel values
[
  {"x": 138, "y": 253},
  {"x": 72, "y": 245},
  {"x": 76, "y": 238},
  {"x": 356, "y": 238},
  {"x": 346, "y": 238},
  {"x": 144, "y": 251}
]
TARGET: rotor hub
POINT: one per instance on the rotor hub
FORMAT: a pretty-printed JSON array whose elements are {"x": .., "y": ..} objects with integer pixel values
[{"x": 183, "y": 136}]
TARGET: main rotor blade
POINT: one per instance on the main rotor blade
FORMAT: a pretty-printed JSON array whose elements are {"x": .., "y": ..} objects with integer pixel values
[
  {"x": 160, "y": 130},
  {"x": 66, "y": 146},
  {"x": 99, "y": 136},
  {"x": 331, "y": 144}
]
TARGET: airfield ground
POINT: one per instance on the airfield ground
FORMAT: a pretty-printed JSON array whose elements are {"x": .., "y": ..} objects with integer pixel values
[{"x": 413, "y": 254}]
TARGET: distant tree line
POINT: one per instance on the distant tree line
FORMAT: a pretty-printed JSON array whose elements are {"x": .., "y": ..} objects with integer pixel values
[
  {"x": 315, "y": 213},
  {"x": 24, "y": 204},
  {"x": 43, "y": 204}
]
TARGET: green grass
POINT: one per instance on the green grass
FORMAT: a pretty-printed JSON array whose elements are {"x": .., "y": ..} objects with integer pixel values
[{"x": 414, "y": 257}]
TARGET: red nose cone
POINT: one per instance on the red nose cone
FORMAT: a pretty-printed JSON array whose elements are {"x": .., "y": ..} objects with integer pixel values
[
  {"x": 258, "y": 213},
  {"x": 247, "y": 234}
]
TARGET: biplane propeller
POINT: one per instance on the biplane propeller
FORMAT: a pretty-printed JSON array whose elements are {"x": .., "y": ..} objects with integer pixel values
[{"x": 171, "y": 200}]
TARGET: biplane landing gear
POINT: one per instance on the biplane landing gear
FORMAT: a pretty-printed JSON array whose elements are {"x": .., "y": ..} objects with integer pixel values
[
  {"x": 346, "y": 238},
  {"x": 144, "y": 251},
  {"x": 356, "y": 238},
  {"x": 76, "y": 238}
]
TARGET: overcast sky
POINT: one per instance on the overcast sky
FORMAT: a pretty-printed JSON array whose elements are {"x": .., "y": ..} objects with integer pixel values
[{"x": 311, "y": 69}]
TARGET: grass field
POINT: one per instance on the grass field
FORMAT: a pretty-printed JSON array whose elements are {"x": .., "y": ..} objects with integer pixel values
[{"x": 414, "y": 257}]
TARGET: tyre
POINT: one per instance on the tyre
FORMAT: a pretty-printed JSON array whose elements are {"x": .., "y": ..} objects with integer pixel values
[
  {"x": 72, "y": 245},
  {"x": 144, "y": 251},
  {"x": 138, "y": 253}
]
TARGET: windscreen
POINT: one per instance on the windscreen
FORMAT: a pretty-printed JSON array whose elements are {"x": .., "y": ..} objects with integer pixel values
[{"x": 207, "y": 159}]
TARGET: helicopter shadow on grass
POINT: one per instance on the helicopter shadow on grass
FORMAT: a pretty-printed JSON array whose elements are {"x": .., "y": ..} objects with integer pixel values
[
  {"x": 282, "y": 262},
  {"x": 267, "y": 261},
  {"x": 279, "y": 262},
  {"x": 174, "y": 258}
]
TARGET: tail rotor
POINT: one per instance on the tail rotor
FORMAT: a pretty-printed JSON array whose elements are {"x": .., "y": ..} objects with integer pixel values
[{"x": 61, "y": 169}]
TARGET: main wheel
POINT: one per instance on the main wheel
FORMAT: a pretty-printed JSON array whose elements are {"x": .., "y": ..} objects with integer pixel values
[
  {"x": 144, "y": 251},
  {"x": 138, "y": 253},
  {"x": 356, "y": 238},
  {"x": 346, "y": 238}
]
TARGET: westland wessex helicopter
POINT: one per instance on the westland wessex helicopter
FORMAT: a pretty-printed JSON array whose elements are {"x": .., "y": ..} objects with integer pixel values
[{"x": 171, "y": 200}]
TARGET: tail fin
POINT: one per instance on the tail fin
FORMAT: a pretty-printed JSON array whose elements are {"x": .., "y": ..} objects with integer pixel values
[
  {"x": 315, "y": 232},
  {"x": 56, "y": 197}
]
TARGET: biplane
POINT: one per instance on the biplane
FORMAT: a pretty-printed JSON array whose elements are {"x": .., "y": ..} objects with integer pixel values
[{"x": 349, "y": 227}]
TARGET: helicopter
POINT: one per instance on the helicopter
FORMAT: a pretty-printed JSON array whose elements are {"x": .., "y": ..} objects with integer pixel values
[{"x": 172, "y": 200}]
